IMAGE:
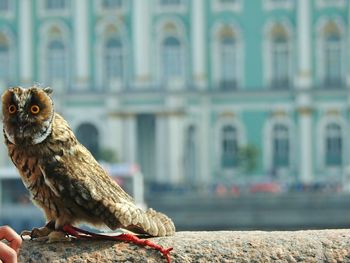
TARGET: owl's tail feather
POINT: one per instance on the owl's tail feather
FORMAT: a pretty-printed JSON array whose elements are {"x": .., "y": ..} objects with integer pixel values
[
  {"x": 156, "y": 224},
  {"x": 144, "y": 222}
]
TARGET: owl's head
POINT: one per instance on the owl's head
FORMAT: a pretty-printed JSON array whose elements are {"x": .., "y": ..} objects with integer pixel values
[{"x": 27, "y": 114}]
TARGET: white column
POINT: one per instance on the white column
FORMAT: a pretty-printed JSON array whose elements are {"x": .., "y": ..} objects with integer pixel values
[
  {"x": 141, "y": 41},
  {"x": 162, "y": 168},
  {"x": 198, "y": 43},
  {"x": 114, "y": 137},
  {"x": 305, "y": 126},
  {"x": 81, "y": 51},
  {"x": 348, "y": 54},
  {"x": 304, "y": 83},
  {"x": 304, "y": 44},
  {"x": 175, "y": 142},
  {"x": 204, "y": 143},
  {"x": 129, "y": 132},
  {"x": 25, "y": 41}
]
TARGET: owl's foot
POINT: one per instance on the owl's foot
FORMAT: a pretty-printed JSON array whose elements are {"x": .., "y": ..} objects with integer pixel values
[
  {"x": 40, "y": 233},
  {"x": 37, "y": 233},
  {"x": 58, "y": 236}
]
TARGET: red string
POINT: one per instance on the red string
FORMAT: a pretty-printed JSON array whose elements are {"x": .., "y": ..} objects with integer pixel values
[{"x": 81, "y": 233}]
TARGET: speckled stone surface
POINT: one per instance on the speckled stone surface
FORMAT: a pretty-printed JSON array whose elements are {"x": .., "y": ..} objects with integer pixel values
[{"x": 220, "y": 246}]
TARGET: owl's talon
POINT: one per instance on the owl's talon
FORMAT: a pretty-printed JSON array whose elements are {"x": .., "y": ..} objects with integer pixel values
[
  {"x": 58, "y": 236},
  {"x": 40, "y": 232},
  {"x": 26, "y": 233}
]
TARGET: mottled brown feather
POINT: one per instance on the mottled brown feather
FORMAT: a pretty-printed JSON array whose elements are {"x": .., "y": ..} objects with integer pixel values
[{"x": 63, "y": 177}]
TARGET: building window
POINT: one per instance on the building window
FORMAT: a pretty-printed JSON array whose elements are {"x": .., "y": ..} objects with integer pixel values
[
  {"x": 331, "y": 67},
  {"x": 281, "y": 147},
  {"x": 48, "y": 8},
  {"x": 278, "y": 4},
  {"x": 114, "y": 61},
  {"x": 330, "y": 3},
  {"x": 332, "y": 55},
  {"x": 55, "y": 5},
  {"x": 228, "y": 63},
  {"x": 228, "y": 2},
  {"x": 4, "y": 5},
  {"x": 56, "y": 61},
  {"x": 170, "y": 6},
  {"x": 280, "y": 62},
  {"x": 172, "y": 58},
  {"x": 7, "y": 9},
  {"x": 334, "y": 145},
  {"x": 227, "y": 5},
  {"x": 170, "y": 2},
  {"x": 229, "y": 147},
  {"x": 280, "y": 58},
  {"x": 4, "y": 63},
  {"x": 112, "y": 4}
]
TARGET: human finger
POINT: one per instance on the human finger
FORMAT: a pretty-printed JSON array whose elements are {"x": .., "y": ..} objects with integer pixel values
[
  {"x": 11, "y": 236},
  {"x": 7, "y": 254}
]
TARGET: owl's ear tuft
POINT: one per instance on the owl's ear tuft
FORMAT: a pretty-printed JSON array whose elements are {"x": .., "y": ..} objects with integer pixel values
[{"x": 48, "y": 90}]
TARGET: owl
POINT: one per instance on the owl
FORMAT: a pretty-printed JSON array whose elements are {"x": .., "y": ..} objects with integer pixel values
[{"x": 62, "y": 176}]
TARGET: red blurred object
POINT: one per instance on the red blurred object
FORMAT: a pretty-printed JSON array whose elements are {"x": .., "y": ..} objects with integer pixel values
[
  {"x": 235, "y": 190},
  {"x": 265, "y": 188},
  {"x": 221, "y": 190}
]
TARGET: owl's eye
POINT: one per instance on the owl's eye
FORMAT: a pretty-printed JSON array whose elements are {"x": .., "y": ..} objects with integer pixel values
[
  {"x": 34, "y": 109},
  {"x": 12, "y": 109}
]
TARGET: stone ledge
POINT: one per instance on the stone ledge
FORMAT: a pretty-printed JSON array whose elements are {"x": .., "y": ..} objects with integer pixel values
[{"x": 218, "y": 246}]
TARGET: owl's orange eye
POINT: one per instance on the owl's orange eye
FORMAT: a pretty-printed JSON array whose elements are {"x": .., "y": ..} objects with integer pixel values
[
  {"x": 34, "y": 109},
  {"x": 12, "y": 109}
]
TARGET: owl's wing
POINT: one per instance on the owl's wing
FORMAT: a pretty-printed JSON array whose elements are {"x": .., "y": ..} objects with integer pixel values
[{"x": 75, "y": 176}]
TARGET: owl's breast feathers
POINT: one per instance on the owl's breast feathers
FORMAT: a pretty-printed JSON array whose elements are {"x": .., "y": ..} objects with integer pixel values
[{"x": 67, "y": 182}]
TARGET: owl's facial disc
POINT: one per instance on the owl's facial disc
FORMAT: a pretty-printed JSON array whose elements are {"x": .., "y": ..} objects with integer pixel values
[{"x": 28, "y": 115}]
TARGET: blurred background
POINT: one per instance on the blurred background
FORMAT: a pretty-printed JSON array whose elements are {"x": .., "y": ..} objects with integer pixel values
[{"x": 233, "y": 113}]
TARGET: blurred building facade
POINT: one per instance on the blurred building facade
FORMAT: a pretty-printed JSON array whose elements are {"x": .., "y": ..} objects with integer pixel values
[{"x": 194, "y": 91}]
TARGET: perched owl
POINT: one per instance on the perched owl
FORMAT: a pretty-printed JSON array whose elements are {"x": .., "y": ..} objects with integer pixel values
[{"x": 64, "y": 179}]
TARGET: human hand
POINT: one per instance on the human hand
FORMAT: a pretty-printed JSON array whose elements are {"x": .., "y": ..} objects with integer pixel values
[{"x": 8, "y": 253}]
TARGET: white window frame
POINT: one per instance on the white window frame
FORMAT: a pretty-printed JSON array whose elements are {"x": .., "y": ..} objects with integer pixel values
[
  {"x": 267, "y": 51},
  {"x": 43, "y": 12},
  {"x": 237, "y": 6},
  {"x": 332, "y": 137},
  {"x": 101, "y": 10},
  {"x": 276, "y": 136},
  {"x": 181, "y": 8},
  {"x": 121, "y": 52},
  {"x": 241, "y": 139},
  {"x": 320, "y": 69},
  {"x": 101, "y": 36},
  {"x": 178, "y": 54},
  {"x": 330, "y": 3},
  {"x": 228, "y": 51},
  {"x": 10, "y": 13},
  {"x": 215, "y": 55},
  {"x": 321, "y": 143},
  {"x": 65, "y": 70},
  {"x": 335, "y": 47},
  {"x": 269, "y": 5},
  {"x": 274, "y": 49},
  {"x": 179, "y": 32},
  {"x": 43, "y": 47},
  {"x": 268, "y": 143}
]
